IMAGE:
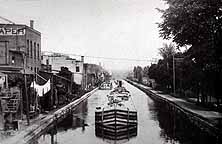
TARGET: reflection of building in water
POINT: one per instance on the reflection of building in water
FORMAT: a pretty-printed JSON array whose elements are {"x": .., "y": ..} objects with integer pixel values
[
  {"x": 79, "y": 115},
  {"x": 73, "y": 121}
]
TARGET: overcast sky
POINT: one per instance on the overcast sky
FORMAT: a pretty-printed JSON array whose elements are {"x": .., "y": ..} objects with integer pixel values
[{"x": 101, "y": 28}]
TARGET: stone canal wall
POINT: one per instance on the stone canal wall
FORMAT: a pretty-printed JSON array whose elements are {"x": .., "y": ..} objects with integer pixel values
[
  {"x": 34, "y": 131},
  {"x": 205, "y": 124}
]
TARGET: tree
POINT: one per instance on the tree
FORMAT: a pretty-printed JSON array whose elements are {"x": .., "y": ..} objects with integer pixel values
[
  {"x": 138, "y": 73},
  {"x": 198, "y": 24},
  {"x": 191, "y": 22},
  {"x": 167, "y": 50},
  {"x": 146, "y": 71}
]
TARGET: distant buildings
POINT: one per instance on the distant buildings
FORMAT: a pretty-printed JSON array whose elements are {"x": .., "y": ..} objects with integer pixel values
[
  {"x": 84, "y": 74},
  {"x": 93, "y": 75},
  {"x": 55, "y": 61},
  {"x": 20, "y": 48}
]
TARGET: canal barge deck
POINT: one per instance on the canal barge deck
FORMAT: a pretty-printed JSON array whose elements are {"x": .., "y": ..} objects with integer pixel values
[{"x": 117, "y": 119}]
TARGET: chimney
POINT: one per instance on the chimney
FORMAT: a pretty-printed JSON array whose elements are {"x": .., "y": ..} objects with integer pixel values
[
  {"x": 32, "y": 24},
  {"x": 82, "y": 59}
]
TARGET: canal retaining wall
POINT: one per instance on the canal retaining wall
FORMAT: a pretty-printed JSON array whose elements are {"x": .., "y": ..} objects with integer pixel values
[
  {"x": 33, "y": 132},
  {"x": 208, "y": 125}
]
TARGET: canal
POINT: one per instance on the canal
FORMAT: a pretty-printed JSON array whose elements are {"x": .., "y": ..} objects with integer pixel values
[{"x": 156, "y": 124}]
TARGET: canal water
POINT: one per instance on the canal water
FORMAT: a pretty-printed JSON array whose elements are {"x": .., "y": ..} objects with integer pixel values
[{"x": 156, "y": 124}]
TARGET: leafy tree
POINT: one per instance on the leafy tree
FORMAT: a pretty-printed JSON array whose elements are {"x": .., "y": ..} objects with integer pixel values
[
  {"x": 146, "y": 71},
  {"x": 198, "y": 24},
  {"x": 138, "y": 73},
  {"x": 134, "y": 72},
  {"x": 167, "y": 50}
]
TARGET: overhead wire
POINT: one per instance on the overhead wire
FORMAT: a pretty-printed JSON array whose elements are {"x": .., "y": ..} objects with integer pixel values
[
  {"x": 108, "y": 58},
  {"x": 97, "y": 57}
]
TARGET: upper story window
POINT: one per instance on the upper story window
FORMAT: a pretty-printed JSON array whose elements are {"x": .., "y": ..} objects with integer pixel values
[
  {"x": 13, "y": 59},
  {"x": 77, "y": 69},
  {"x": 38, "y": 52},
  {"x": 47, "y": 61},
  {"x": 31, "y": 52},
  {"x": 34, "y": 50},
  {"x": 28, "y": 48}
]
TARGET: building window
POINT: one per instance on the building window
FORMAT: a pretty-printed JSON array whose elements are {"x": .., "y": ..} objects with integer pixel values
[
  {"x": 47, "y": 61},
  {"x": 38, "y": 51},
  {"x": 31, "y": 48},
  {"x": 13, "y": 59},
  {"x": 34, "y": 50},
  {"x": 28, "y": 48},
  {"x": 77, "y": 68}
]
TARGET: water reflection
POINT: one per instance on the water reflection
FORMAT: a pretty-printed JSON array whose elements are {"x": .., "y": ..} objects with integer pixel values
[
  {"x": 176, "y": 127},
  {"x": 71, "y": 122},
  {"x": 157, "y": 124},
  {"x": 115, "y": 134},
  {"x": 76, "y": 119}
]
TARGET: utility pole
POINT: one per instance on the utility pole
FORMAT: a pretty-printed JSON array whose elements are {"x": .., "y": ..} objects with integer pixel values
[
  {"x": 26, "y": 93},
  {"x": 27, "y": 99},
  {"x": 72, "y": 79},
  {"x": 51, "y": 97},
  {"x": 25, "y": 77},
  {"x": 174, "y": 77}
]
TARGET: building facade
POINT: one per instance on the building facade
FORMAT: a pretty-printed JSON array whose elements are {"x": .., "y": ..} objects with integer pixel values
[
  {"x": 93, "y": 75},
  {"x": 20, "y": 53},
  {"x": 56, "y": 61},
  {"x": 20, "y": 48}
]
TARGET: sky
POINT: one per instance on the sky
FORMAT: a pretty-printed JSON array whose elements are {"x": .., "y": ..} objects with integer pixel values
[{"x": 123, "y": 29}]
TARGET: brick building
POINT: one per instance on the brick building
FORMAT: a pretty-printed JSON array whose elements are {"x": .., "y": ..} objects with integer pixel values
[{"x": 20, "y": 47}]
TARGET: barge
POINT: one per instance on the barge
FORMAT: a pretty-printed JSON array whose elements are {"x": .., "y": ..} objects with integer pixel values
[{"x": 117, "y": 119}]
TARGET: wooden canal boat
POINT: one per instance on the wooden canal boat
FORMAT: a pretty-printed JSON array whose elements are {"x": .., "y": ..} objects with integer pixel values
[{"x": 118, "y": 118}]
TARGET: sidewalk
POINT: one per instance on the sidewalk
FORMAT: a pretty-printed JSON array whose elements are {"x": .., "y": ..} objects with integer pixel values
[
  {"x": 212, "y": 118},
  {"x": 39, "y": 124},
  {"x": 15, "y": 136},
  {"x": 23, "y": 125}
]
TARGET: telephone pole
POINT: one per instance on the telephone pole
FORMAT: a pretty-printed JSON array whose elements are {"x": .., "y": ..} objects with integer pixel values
[{"x": 174, "y": 76}]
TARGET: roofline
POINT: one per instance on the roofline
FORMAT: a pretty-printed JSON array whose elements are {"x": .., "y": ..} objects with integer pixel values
[{"x": 34, "y": 30}]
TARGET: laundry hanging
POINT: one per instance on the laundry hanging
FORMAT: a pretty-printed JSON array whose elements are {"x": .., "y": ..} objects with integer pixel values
[
  {"x": 41, "y": 89},
  {"x": 2, "y": 81}
]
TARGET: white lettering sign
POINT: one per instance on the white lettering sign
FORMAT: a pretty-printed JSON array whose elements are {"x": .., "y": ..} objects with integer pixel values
[{"x": 12, "y": 31}]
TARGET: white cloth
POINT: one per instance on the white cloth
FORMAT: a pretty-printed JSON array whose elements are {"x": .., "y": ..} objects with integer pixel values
[
  {"x": 2, "y": 81},
  {"x": 41, "y": 89}
]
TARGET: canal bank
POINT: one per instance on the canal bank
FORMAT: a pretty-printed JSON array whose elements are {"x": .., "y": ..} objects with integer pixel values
[
  {"x": 206, "y": 120},
  {"x": 40, "y": 126},
  {"x": 156, "y": 124}
]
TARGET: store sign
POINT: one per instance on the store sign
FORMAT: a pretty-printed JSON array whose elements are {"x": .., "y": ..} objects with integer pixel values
[{"x": 12, "y": 31}]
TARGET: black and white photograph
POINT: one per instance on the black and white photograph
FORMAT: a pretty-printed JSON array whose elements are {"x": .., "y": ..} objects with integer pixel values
[{"x": 110, "y": 71}]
